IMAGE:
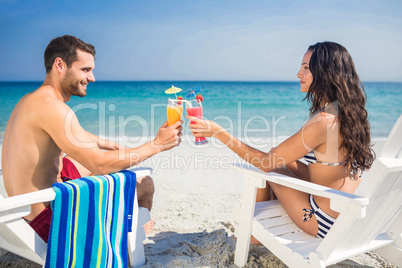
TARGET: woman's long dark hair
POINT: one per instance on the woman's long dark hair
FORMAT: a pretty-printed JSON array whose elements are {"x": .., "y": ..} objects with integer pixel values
[{"x": 335, "y": 80}]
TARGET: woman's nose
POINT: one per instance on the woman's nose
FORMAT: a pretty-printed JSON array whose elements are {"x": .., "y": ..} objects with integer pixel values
[{"x": 299, "y": 75}]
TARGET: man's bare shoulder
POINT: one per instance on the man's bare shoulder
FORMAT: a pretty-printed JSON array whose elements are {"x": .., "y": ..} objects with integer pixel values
[
  {"x": 44, "y": 102},
  {"x": 45, "y": 94}
]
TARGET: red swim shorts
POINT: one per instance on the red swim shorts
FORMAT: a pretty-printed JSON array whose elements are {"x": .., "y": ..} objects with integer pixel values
[{"x": 41, "y": 223}]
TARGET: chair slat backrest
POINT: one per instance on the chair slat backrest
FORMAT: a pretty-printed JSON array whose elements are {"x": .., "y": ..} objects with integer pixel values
[
  {"x": 382, "y": 185},
  {"x": 393, "y": 145},
  {"x": 385, "y": 205},
  {"x": 3, "y": 193}
]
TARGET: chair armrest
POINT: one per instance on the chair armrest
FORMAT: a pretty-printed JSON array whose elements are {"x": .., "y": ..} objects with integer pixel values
[
  {"x": 18, "y": 206},
  {"x": 47, "y": 195},
  {"x": 304, "y": 186},
  {"x": 141, "y": 171},
  {"x": 17, "y": 201}
]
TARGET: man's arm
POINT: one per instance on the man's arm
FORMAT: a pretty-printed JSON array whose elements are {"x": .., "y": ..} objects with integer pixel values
[
  {"x": 106, "y": 144},
  {"x": 60, "y": 122}
]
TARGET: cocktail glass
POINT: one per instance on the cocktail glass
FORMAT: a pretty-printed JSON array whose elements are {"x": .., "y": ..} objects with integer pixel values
[
  {"x": 174, "y": 111},
  {"x": 194, "y": 108}
]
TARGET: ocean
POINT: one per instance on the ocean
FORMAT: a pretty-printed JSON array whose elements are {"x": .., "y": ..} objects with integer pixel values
[{"x": 133, "y": 111}]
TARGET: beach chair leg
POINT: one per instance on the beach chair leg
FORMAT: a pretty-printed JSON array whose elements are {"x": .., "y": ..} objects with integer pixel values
[
  {"x": 393, "y": 252},
  {"x": 136, "y": 241},
  {"x": 245, "y": 224}
]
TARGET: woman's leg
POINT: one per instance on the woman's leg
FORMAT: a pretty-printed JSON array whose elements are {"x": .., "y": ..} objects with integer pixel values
[
  {"x": 292, "y": 201},
  {"x": 265, "y": 194}
]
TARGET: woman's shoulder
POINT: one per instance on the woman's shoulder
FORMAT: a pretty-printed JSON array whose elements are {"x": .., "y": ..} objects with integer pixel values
[
  {"x": 328, "y": 115},
  {"x": 323, "y": 118},
  {"x": 321, "y": 124}
]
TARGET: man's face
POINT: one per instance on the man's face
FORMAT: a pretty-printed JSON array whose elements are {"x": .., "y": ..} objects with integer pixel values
[{"x": 79, "y": 75}]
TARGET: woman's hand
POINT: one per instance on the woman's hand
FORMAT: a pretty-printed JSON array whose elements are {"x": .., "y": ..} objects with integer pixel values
[{"x": 204, "y": 128}]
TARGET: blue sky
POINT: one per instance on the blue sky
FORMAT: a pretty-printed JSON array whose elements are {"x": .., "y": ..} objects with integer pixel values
[{"x": 202, "y": 40}]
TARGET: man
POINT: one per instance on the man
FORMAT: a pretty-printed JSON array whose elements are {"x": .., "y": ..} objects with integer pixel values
[{"x": 42, "y": 128}]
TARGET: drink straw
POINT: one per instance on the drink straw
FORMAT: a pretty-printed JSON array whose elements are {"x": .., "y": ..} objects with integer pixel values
[{"x": 186, "y": 101}]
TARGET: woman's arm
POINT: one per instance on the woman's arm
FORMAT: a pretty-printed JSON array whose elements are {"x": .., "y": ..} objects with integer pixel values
[{"x": 311, "y": 135}]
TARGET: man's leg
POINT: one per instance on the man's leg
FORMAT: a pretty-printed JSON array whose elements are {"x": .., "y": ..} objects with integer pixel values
[
  {"x": 145, "y": 192},
  {"x": 81, "y": 169},
  {"x": 41, "y": 223},
  {"x": 145, "y": 185},
  {"x": 145, "y": 196}
]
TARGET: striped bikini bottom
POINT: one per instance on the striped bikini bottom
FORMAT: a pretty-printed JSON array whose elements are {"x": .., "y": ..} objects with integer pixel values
[{"x": 325, "y": 221}]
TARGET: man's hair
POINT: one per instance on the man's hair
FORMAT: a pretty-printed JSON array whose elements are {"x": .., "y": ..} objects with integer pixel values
[{"x": 66, "y": 48}]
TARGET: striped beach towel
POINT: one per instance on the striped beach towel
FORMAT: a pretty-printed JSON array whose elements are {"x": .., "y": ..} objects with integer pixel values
[{"x": 90, "y": 221}]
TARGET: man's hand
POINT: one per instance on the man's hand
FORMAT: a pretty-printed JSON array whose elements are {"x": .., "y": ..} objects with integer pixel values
[{"x": 168, "y": 136}]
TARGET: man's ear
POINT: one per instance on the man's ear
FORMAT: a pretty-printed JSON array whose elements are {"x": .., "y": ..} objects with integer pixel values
[{"x": 59, "y": 64}]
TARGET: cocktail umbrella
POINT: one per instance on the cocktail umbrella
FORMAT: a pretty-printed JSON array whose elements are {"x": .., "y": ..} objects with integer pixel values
[
  {"x": 173, "y": 90},
  {"x": 194, "y": 91}
]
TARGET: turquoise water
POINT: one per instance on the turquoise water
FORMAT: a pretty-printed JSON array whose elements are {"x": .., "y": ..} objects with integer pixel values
[{"x": 247, "y": 109}]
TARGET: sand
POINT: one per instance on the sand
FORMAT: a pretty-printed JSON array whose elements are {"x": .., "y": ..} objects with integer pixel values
[{"x": 196, "y": 191}]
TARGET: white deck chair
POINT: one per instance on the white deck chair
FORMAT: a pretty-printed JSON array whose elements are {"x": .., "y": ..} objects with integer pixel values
[
  {"x": 369, "y": 220},
  {"x": 18, "y": 237}
]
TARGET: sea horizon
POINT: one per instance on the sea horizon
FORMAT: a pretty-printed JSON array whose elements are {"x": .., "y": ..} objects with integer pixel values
[
  {"x": 250, "y": 110},
  {"x": 183, "y": 80}
]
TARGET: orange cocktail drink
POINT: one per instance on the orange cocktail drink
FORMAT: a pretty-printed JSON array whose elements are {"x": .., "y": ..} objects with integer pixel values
[{"x": 174, "y": 111}]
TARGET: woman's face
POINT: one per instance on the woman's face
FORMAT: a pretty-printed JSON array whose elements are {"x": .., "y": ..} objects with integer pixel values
[{"x": 305, "y": 76}]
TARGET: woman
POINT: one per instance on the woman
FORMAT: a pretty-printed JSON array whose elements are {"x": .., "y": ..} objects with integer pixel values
[{"x": 335, "y": 141}]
